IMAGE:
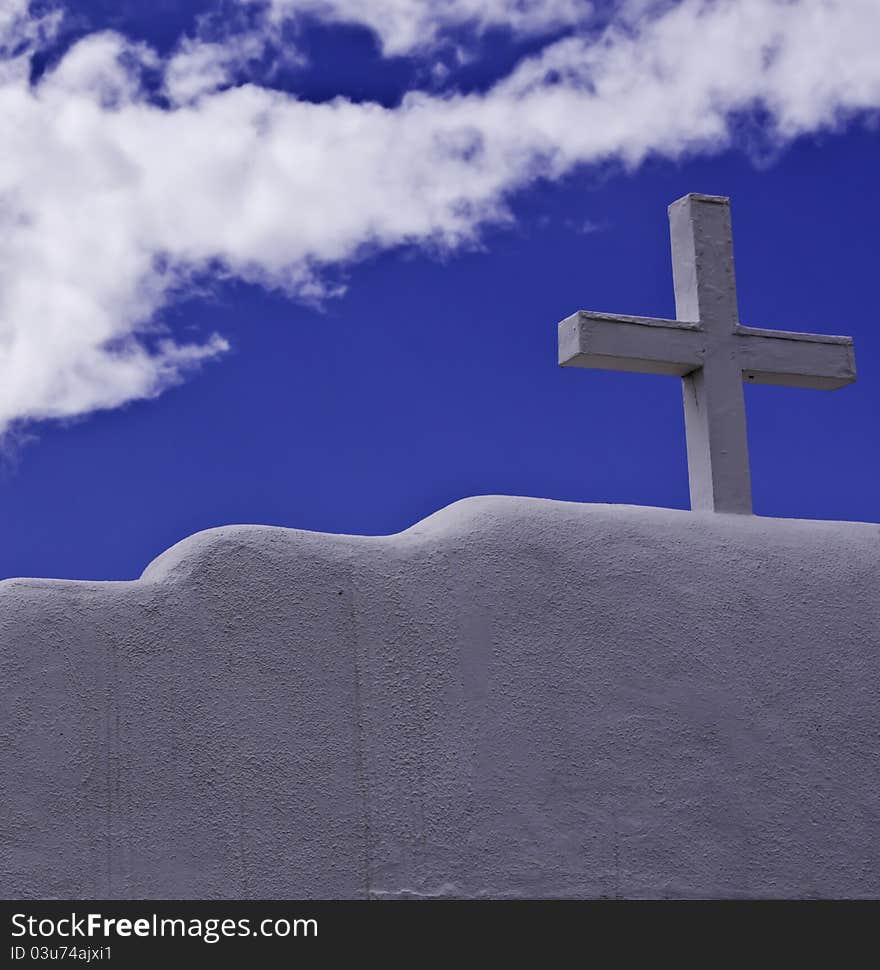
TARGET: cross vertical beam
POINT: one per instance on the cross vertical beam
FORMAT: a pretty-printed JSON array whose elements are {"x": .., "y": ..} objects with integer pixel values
[{"x": 714, "y": 403}]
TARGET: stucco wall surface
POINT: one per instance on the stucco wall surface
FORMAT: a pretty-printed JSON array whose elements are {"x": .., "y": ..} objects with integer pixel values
[{"x": 515, "y": 697}]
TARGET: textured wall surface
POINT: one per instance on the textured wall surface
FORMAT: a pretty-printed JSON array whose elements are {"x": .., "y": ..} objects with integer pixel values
[{"x": 513, "y": 698}]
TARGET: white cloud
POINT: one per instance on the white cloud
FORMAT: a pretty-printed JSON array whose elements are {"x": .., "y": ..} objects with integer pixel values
[{"x": 108, "y": 203}]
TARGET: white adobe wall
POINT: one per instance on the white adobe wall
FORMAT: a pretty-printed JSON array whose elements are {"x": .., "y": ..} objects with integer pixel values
[{"x": 515, "y": 697}]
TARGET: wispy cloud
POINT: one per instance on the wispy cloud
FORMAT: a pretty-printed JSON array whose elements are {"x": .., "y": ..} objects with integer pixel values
[
  {"x": 22, "y": 31},
  {"x": 406, "y": 26},
  {"x": 110, "y": 201}
]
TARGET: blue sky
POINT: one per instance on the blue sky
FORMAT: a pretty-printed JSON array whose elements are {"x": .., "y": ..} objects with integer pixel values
[{"x": 433, "y": 375}]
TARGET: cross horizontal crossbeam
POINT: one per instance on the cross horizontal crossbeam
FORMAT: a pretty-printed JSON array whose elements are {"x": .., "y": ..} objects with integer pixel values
[{"x": 650, "y": 345}]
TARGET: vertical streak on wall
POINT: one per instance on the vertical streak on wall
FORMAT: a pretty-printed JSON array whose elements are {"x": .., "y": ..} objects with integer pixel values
[
  {"x": 110, "y": 714},
  {"x": 361, "y": 696}
]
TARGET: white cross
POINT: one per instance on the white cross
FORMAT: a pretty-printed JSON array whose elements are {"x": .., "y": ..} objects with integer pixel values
[{"x": 711, "y": 352}]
